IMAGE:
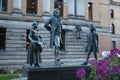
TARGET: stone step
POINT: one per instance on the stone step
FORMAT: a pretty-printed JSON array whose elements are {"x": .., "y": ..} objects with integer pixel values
[
  {"x": 21, "y": 62},
  {"x": 23, "y": 53},
  {"x": 72, "y": 60},
  {"x": 12, "y": 62},
  {"x": 44, "y": 56},
  {"x": 15, "y": 53},
  {"x": 19, "y": 53},
  {"x": 14, "y": 45},
  {"x": 15, "y": 41},
  {"x": 16, "y": 30},
  {"x": 16, "y": 49},
  {"x": 17, "y": 34},
  {"x": 67, "y": 63}
]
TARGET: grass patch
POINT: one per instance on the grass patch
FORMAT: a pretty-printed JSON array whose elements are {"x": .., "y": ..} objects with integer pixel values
[{"x": 8, "y": 76}]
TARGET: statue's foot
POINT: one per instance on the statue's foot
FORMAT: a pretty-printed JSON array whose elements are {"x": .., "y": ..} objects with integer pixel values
[
  {"x": 31, "y": 65},
  {"x": 36, "y": 65},
  {"x": 58, "y": 63},
  {"x": 85, "y": 63}
]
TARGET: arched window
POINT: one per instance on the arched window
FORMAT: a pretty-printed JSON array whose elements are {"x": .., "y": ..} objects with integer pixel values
[
  {"x": 32, "y": 6},
  {"x": 113, "y": 44},
  {"x": 3, "y": 5},
  {"x": 113, "y": 28},
  {"x": 112, "y": 13},
  {"x": 59, "y": 4},
  {"x": 90, "y": 13}
]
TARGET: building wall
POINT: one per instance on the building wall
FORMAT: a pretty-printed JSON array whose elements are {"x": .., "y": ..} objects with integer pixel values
[
  {"x": 100, "y": 16},
  {"x": 116, "y": 21},
  {"x": 104, "y": 13},
  {"x": 96, "y": 10}
]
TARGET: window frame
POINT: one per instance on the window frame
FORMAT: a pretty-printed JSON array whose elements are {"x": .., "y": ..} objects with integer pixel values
[
  {"x": 90, "y": 12},
  {"x": 112, "y": 13},
  {"x": 113, "y": 28},
  {"x": 1, "y": 6},
  {"x": 28, "y": 11},
  {"x": 59, "y": 4}
]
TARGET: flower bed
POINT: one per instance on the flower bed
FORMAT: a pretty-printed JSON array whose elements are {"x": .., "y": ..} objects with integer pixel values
[{"x": 107, "y": 69}]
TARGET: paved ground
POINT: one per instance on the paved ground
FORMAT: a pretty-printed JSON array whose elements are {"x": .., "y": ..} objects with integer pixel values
[{"x": 20, "y": 78}]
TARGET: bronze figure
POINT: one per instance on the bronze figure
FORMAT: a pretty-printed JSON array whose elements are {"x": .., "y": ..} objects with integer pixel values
[
  {"x": 54, "y": 26},
  {"x": 92, "y": 44},
  {"x": 35, "y": 46}
]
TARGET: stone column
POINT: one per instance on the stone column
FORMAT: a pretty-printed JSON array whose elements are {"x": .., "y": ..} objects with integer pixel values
[
  {"x": 39, "y": 7},
  {"x": 80, "y": 8},
  {"x": 46, "y": 7},
  {"x": 17, "y": 8},
  {"x": 65, "y": 8},
  {"x": 51, "y": 6},
  {"x": 71, "y": 7}
]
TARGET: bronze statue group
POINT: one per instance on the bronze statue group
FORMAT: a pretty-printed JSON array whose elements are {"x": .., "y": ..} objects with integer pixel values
[{"x": 54, "y": 26}]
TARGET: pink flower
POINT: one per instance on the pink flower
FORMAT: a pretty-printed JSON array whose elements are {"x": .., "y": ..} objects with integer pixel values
[{"x": 80, "y": 72}]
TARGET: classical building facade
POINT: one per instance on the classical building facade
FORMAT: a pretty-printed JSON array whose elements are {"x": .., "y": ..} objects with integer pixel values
[{"x": 16, "y": 17}]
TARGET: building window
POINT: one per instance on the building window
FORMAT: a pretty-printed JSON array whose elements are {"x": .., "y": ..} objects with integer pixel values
[
  {"x": 90, "y": 14},
  {"x": 2, "y": 38},
  {"x": 59, "y": 4},
  {"x": 113, "y": 44},
  {"x": 113, "y": 28},
  {"x": 32, "y": 6},
  {"x": 3, "y": 5},
  {"x": 27, "y": 39},
  {"x": 112, "y": 13}
]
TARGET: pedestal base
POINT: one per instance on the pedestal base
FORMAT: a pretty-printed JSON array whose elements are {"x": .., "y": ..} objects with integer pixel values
[{"x": 53, "y": 72}]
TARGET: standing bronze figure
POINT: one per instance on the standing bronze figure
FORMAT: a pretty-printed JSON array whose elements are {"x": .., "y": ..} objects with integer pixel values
[
  {"x": 55, "y": 27},
  {"x": 92, "y": 44},
  {"x": 35, "y": 47}
]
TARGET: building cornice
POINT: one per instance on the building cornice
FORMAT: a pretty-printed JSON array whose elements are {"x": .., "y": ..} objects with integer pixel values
[{"x": 114, "y": 3}]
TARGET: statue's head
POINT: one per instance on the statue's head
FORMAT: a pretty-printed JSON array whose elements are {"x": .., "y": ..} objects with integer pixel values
[
  {"x": 92, "y": 28},
  {"x": 35, "y": 24},
  {"x": 56, "y": 12}
]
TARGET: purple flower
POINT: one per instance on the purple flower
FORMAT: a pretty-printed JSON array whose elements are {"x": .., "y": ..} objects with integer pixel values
[
  {"x": 80, "y": 72},
  {"x": 115, "y": 70},
  {"x": 102, "y": 68},
  {"x": 113, "y": 53},
  {"x": 119, "y": 51},
  {"x": 93, "y": 61}
]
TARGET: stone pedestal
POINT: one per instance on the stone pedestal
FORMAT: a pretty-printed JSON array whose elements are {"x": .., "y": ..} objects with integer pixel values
[{"x": 53, "y": 72}]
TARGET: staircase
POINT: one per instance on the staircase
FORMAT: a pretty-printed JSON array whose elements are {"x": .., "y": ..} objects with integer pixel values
[
  {"x": 74, "y": 49},
  {"x": 15, "y": 53}
]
